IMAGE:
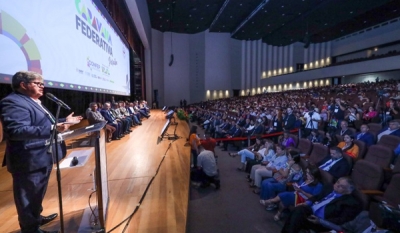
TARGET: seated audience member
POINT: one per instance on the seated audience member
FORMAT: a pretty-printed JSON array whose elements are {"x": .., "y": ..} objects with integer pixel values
[
  {"x": 371, "y": 113},
  {"x": 233, "y": 132},
  {"x": 344, "y": 129},
  {"x": 139, "y": 109},
  {"x": 255, "y": 153},
  {"x": 338, "y": 207},
  {"x": 125, "y": 112},
  {"x": 315, "y": 137},
  {"x": 222, "y": 129},
  {"x": 391, "y": 112},
  {"x": 135, "y": 114},
  {"x": 206, "y": 171},
  {"x": 95, "y": 116},
  {"x": 272, "y": 186},
  {"x": 330, "y": 139},
  {"x": 365, "y": 136},
  {"x": 105, "y": 112},
  {"x": 258, "y": 128},
  {"x": 286, "y": 140},
  {"x": 348, "y": 146},
  {"x": 258, "y": 172},
  {"x": 392, "y": 129},
  {"x": 311, "y": 186},
  {"x": 335, "y": 164},
  {"x": 265, "y": 155}
]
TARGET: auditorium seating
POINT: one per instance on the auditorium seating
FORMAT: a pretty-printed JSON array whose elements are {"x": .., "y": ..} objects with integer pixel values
[
  {"x": 367, "y": 175},
  {"x": 389, "y": 141},
  {"x": 362, "y": 148},
  {"x": 305, "y": 146},
  {"x": 380, "y": 155}
]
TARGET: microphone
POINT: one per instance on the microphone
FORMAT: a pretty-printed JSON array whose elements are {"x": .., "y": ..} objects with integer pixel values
[{"x": 57, "y": 101}]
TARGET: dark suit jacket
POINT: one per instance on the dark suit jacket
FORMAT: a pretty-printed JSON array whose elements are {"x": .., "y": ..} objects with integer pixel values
[
  {"x": 339, "y": 169},
  {"x": 342, "y": 209},
  {"x": 368, "y": 138},
  {"x": 27, "y": 129},
  {"x": 107, "y": 115},
  {"x": 289, "y": 122}
]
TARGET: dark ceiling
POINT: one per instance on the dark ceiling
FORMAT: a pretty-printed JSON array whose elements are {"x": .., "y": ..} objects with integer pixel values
[{"x": 276, "y": 22}]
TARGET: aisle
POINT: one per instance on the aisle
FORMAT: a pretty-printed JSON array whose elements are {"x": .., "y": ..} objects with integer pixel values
[{"x": 232, "y": 209}]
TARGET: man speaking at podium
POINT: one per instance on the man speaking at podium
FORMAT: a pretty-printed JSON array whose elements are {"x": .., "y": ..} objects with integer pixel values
[{"x": 28, "y": 126}]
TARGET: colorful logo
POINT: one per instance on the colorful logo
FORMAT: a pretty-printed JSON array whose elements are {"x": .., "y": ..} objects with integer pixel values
[{"x": 87, "y": 15}]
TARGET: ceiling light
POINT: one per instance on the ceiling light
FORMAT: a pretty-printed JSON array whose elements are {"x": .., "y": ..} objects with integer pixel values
[
  {"x": 283, "y": 6},
  {"x": 223, "y": 26},
  {"x": 208, "y": 5},
  {"x": 351, "y": 12},
  {"x": 202, "y": 18},
  {"x": 240, "y": 4},
  {"x": 231, "y": 16}
]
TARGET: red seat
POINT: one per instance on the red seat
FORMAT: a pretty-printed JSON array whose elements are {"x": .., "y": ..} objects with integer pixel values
[{"x": 380, "y": 155}]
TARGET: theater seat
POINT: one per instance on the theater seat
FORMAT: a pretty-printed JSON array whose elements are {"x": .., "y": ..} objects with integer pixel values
[
  {"x": 367, "y": 175},
  {"x": 305, "y": 146},
  {"x": 390, "y": 141},
  {"x": 380, "y": 155},
  {"x": 318, "y": 153},
  {"x": 362, "y": 149}
]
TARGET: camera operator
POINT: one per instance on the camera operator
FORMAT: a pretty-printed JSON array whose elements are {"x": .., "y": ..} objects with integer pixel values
[{"x": 312, "y": 119}]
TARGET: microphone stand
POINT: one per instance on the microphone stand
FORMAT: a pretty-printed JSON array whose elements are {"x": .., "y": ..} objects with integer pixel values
[{"x": 54, "y": 139}]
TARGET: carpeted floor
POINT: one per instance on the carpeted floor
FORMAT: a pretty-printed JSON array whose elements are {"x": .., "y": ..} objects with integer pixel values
[{"x": 232, "y": 209}]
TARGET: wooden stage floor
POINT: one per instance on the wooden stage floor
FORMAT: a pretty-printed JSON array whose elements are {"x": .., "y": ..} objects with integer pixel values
[{"x": 132, "y": 162}]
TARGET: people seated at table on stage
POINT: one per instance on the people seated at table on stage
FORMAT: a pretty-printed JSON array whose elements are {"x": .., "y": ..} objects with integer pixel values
[
  {"x": 260, "y": 171},
  {"x": 338, "y": 207},
  {"x": 111, "y": 120},
  {"x": 348, "y": 146},
  {"x": 365, "y": 136},
  {"x": 304, "y": 190},
  {"x": 335, "y": 164},
  {"x": 392, "y": 129},
  {"x": 126, "y": 122},
  {"x": 94, "y": 116}
]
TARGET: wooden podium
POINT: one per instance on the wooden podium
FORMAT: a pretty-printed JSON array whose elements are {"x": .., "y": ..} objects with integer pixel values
[{"x": 96, "y": 135}]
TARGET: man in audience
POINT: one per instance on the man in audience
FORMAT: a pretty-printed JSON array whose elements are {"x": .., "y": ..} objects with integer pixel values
[
  {"x": 312, "y": 119},
  {"x": 392, "y": 129},
  {"x": 233, "y": 132},
  {"x": 338, "y": 207},
  {"x": 337, "y": 110},
  {"x": 95, "y": 116},
  {"x": 222, "y": 129},
  {"x": 290, "y": 119},
  {"x": 344, "y": 129},
  {"x": 207, "y": 171},
  {"x": 335, "y": 164},
  {"x": 365, "y": 136}
]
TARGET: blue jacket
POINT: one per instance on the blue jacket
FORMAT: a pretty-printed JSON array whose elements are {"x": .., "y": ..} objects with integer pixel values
[{"x": 368, "y": 138}]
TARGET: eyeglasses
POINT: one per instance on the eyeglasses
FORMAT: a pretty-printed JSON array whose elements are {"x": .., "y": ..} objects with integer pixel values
[{"x": 39, "y": 84}]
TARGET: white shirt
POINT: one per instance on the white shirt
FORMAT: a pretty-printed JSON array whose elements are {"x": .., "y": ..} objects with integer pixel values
[{"x": 315, "y": 116}]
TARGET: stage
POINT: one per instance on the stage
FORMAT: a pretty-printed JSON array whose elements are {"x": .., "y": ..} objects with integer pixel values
[{"x": 131, "y": 164}]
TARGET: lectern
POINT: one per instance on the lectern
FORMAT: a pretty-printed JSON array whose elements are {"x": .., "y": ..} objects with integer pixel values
[{"x": 96, "y": 135}]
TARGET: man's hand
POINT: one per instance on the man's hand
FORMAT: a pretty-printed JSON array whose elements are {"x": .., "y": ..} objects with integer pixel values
[
  {"x": 72, "y": 118},
  {"x": 61, "y": 127},
  {"x": 314, "y": 219}
]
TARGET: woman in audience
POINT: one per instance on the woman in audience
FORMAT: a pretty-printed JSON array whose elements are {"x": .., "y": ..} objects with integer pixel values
[
  {"x": 273, "y": 166},
  {"x": 303, "y": 191},
  {"x": 330, "y": 139},
  {"x": 348, "y": 146},
  {"x": 286, "y": 140},
  {"x": 253, "y": 152},
  {"x": 371, "y": 113},
  {"x": 292, "y": 173}
]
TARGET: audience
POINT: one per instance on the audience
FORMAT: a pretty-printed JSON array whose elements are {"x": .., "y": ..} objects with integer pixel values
[
  {"x": 338, "y": 207},
  {"x": 365, "y": 136},
  {"x": 348, "y": 146},
  {"x": 335, "y": 164}
]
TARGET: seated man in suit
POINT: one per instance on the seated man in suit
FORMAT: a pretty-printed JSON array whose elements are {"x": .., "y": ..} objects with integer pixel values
[
  {"x": 105, "y": 112},
  {"x": 338, "y": 207},
  {"x": 392, "y": 129},
  {"x": 365, "y": 136},
  {"x": 94, "y": 116},
  {"x": 335, "y": 164},
  {"x": 233, "y": 132}
]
